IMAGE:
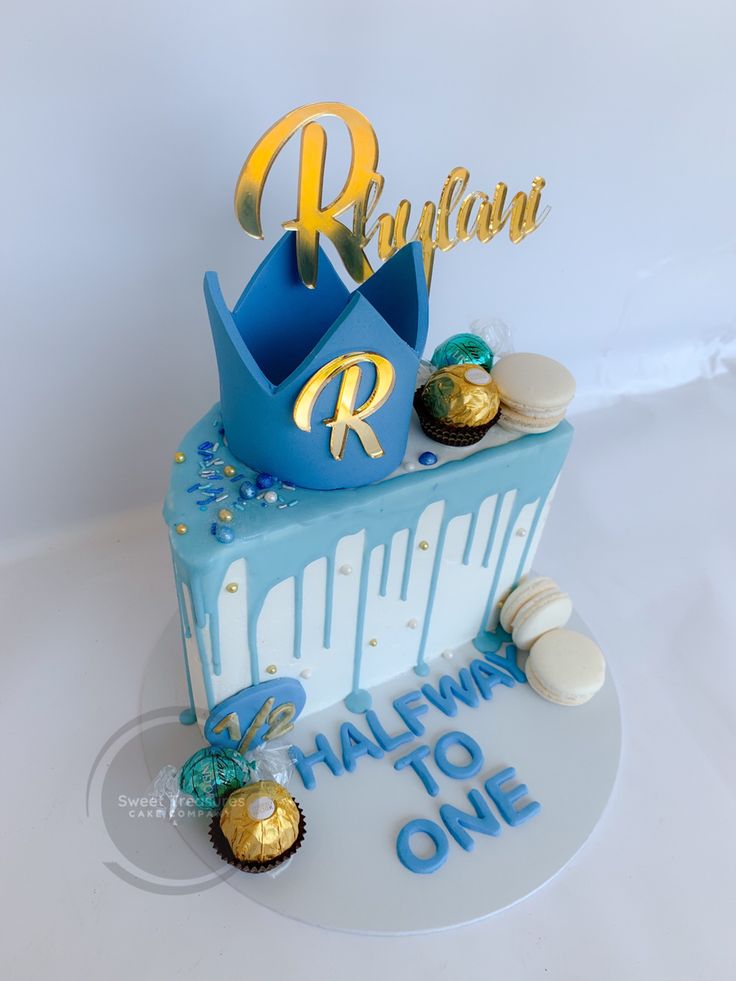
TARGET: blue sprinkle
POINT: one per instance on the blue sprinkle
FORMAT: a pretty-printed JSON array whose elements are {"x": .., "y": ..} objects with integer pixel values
[
  {"x": 237, "y": 477},
  {"x": 207, "y": 445},
  {"x": 264, "y": 481},
  {"x": 240, "y": 505},
  {"x": 203, "y": 503},
  {"x": 191, "y": 490},
  {"x": 247, "y": 490},
  {"x": 213, "y": 528},
  {"x": 428, "y": 459},
  {"x": 293, "y": 504},
  {"x": 224, "y": 534},
  {"x": 202, "y": 508}
]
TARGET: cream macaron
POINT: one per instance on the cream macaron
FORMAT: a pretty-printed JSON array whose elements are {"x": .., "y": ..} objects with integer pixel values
[
  {"x": 565, "y": 667},
  {"x": 536, "y": 606},
  {"x": 535, "y": 392}
]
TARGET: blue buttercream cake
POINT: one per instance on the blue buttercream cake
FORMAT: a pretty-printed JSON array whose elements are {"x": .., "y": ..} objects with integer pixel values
[{"x": 322, "y": 542}]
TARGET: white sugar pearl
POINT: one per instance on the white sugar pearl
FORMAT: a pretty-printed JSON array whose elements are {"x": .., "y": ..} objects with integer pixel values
[
  {"x": 346, "y": 570},
  {"x": 306, "y": 673},
  {"x": 521, "y": 532},
  {"x": 270, "y": 497},
  {"x": 413, "y": 623},
  {"x": 448, "y": 655}
]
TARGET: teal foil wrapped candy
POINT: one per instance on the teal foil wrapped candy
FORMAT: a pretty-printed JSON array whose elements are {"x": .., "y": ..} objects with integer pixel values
[
  {"x": 463, "y": 349},
  {"x": 212, "y": 774}
]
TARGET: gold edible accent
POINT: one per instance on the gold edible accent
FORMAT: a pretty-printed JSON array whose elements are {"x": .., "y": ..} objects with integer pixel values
[
  {"x": 271, "y": 669},
  {"x": 260, "y": 821},
  {"x": 231, "y": 723},
  {"x": 461, "y": 395},
  {"x": 424, "y": 546},
  {"x": 179, "y": 457},
  {"x": 373, "y": 642},
  {"x": 346, "y": 416},
  {"x": 479, "y": 215},
  {"x": 225, "y": 515},
  {"x": 229, "y": 471},
  {"x": 232, "y": 587},
  {"x": 181, "y": 529}
]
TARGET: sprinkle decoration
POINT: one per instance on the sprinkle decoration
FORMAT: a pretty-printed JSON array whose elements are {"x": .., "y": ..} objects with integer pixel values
[
  {"x": 427, "y": 459},
  {"x": 424, "y": 546},
  {"x": 224, "y": 534},
  {"x": 209, "y": 489},
  {"x": 232, "y": 587}
]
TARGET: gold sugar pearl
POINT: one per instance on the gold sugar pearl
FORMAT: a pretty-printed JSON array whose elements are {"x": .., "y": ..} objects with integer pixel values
[
  {"x": 229, "y": 471},
  {"x": 424, "y": 546},
  {"x": 271, "y": 669},
  {"x": 179, "y": 457},
  {"x": 232, "y": 587},
  {"x": 181, "y": 529},
  {"x": 224, "y": 515},
  {"x": 373, "y": 642}
]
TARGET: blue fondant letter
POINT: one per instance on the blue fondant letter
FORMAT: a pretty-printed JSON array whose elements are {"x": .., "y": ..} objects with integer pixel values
[
  {"x": 487, "y": 677},
  {"x": 386, "y": 742},
  {"x": 483, "y": 821},
  {"x": 449, "y": 689},
  {"x": 355, "y": 744},
  {"x": 508, "y": 662},
  {"x": 437, "y": 836},
  {"x": 414, "y": 760},
  {"x": 505, "y": 799},
  {"x": 409, "y": 713},
  {"x": 444, "y": 743},
  {"x": 324, "y": 754}
]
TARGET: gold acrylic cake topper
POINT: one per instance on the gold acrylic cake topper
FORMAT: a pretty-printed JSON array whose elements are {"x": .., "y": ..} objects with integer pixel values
[
  {"x": 479, "y": 215},
  {"x": 346, "y": 416}
]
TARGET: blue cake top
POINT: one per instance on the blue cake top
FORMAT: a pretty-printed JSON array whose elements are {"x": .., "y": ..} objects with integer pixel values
[{"x": 214, "y": 501}]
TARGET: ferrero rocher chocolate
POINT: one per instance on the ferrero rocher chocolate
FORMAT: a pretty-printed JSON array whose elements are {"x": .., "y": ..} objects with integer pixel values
[
  {"x": 461, "y": 395},
  {"x": 260, "y": 821}
]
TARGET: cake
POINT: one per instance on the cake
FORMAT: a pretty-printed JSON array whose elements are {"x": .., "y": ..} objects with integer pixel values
[
  {"x": 340, "y": 589},
  {"x": 347, "y": 512}
]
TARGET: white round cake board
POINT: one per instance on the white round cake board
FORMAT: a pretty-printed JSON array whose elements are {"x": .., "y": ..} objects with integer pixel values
[{"x": 346, "y": 876}]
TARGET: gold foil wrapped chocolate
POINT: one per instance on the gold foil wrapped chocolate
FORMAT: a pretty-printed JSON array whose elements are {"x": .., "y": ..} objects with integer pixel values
[
  {"x": 260, "y": 821},
  {"x": 461, "y": 395}
]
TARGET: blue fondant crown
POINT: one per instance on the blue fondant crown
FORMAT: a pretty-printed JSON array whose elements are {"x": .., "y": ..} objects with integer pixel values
[{"x": 348, "y": 361}]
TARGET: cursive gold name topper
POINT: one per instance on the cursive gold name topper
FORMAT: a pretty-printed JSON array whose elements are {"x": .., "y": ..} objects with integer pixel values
[{"x": 454, "y": 218}]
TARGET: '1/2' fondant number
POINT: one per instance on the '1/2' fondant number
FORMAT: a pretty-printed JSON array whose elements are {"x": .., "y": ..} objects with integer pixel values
[{"x": 279, "y": 720}]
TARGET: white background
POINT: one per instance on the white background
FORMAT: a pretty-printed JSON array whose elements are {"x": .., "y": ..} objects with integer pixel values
[{"x": 125, "y": 126}]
